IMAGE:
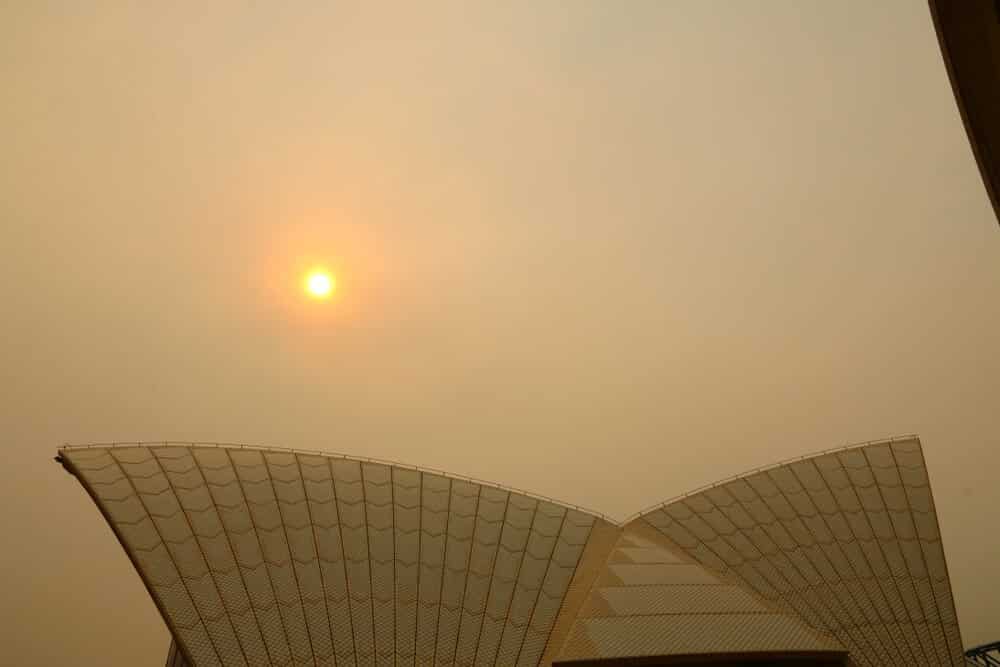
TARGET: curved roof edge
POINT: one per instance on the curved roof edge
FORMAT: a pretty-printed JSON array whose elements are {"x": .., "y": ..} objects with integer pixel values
[
  {"x": 968, "y": 33},
  {"x": 320, "y": 525},
  {"x": 804, "y": 457},
  {"x": 444, "y": 473},
  {"x": 848, "y": 538},
  {"x": 347, "y": 457},
  {"x": 908, "y": 576}
]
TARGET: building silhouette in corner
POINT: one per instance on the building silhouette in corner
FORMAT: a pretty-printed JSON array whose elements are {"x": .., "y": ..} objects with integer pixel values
[{"x": 968, "y": 32}]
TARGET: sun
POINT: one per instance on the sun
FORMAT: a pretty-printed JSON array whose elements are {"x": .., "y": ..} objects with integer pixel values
[{"x": 320, "y": 283}]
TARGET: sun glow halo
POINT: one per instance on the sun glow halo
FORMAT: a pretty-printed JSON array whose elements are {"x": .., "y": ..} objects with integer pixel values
[{"x": 320, "y": 284}]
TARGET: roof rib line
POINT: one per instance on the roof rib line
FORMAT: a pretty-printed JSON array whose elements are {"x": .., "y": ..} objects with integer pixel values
[
  {"x": 745, "y": 474},
  {"x": 728, "y": 569},
  {"x": 201, "y": 620},
  {"x": 368, "y": 550},
  {"x": 920, "y": 543},
  {"x": 541, "y": 585},
  {"x": 465, "y": 583},
  {"x": 836, "y": 543},
  {"x": 343, "y": 560},
  {"x": 201, "y": 549},
  {"x": 319, "y": 564},
  {"x": 944, "y": 558},
  {"x": 489, "y": 587},
  {"x": 864, "y": 554},
  {"x": 347, "y": 457},
  {"x": 844, "y": 611},
  {"x": 892, "y": 527},
  {"x": 513, "y": 589},
  {"x": 291, "y": 558},
  {"x": 879, "y": 580},
  {"x": 267, "y": 569},
  {"x": 395, "y": 556},
  {"x": 444, "y": 562},
  {"x": 420, "y": 565}
]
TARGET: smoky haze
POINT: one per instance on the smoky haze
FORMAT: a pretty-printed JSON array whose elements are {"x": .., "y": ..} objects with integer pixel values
[{"x": 608, "y": 252}]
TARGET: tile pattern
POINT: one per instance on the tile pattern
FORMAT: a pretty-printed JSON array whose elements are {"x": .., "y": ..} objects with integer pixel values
[
  {"x": 602, "y": 541},
  {"x": 652, "y": 601},
  {"x": 848, "y": 540},
  {"x": 270, "y": 557},
  {"x": 261, "y": 556}
]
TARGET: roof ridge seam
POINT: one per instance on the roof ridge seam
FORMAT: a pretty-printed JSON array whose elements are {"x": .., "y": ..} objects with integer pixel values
[
  {"x": 773, "y": 466},
  {"x": 621, "y": 523},
  {"x": 341, "y": 455}
]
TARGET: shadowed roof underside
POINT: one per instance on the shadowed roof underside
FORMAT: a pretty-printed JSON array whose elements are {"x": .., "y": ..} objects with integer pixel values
[{"x": 969, "y": 34}]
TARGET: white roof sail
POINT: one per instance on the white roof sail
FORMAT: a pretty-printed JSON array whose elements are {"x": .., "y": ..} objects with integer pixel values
[
  {"x": 258, "y": 555},
  {"x": 848, "y": 539}
]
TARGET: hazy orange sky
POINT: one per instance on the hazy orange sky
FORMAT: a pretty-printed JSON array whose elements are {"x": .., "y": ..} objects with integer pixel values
[{"x": 605, "y": 251}]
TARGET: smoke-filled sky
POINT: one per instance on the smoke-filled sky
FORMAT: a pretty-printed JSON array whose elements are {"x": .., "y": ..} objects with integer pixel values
[{"x": 605, "y": 251}]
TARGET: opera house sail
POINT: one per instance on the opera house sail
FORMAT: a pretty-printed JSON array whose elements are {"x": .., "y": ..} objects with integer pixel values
[{"x": 264, "y": 556}]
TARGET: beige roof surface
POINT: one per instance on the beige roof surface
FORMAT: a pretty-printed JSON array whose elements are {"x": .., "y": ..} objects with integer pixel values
[
  {"x": 273, "y": 557},
  {"x": 848, "y": 539},
  {"x": 265, "y": 556},
  {"x": 652, "y": 601}
]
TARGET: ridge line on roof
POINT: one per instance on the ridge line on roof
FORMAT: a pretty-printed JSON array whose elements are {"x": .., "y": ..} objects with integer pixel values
[
  {"x": 795, "y": 459},
  {"x": 510, "y": 489},
  {"x": 341, "y": 455}
]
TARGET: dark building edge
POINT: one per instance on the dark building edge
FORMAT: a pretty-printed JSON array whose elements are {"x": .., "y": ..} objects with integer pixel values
[
  {"x": 174, "y": 657},
  {"x": 986, "y": 654},
  {"x": 968, "y": 33}
]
